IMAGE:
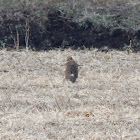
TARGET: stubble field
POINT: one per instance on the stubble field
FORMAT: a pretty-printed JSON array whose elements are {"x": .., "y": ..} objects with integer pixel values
[{"x": 37, "y": 103}]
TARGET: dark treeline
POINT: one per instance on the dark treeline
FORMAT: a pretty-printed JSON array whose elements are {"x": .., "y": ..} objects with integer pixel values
[{"x": 44, "y": 27}]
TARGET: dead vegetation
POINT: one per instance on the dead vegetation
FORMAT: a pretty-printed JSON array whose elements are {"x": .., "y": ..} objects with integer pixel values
[{"x": 35, "y": 102}]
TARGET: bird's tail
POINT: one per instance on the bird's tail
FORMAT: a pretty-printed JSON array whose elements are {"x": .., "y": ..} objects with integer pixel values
[{"x": 72, "y": 78}]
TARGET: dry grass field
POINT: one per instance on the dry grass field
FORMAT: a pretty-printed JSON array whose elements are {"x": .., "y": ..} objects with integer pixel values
[{"x": 36, "y": 103}]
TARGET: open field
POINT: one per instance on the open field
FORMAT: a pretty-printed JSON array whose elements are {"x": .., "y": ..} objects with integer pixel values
[{"x": 37, "y": 103}]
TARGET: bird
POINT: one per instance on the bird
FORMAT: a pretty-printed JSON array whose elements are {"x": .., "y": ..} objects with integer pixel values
[{"x": 71, "y": 69}]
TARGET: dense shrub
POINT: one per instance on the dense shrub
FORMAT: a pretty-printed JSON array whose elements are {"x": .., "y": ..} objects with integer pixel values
[{"x": 49, "y": 24}]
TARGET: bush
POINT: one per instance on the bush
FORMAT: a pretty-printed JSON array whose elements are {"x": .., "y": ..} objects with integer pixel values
[{"x": 60, "y": 23}]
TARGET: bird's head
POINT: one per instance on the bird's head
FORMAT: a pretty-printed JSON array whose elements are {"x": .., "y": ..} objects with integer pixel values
[{"x": 69, "y": 58}]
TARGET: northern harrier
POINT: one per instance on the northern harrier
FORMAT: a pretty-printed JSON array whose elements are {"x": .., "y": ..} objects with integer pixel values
[{"x": 71, "y": 72}]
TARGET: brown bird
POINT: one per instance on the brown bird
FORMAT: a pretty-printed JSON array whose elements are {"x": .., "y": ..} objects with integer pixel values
[{"x": 71, "y": 72}]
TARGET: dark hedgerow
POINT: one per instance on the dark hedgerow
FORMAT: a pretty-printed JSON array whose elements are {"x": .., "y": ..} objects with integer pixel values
[{"x": 48, "y": 24}]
